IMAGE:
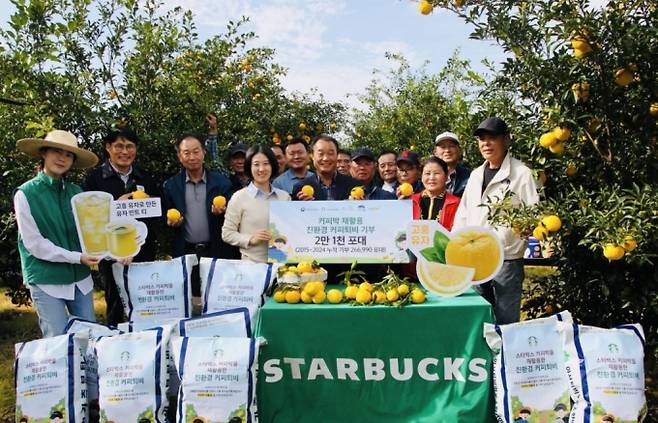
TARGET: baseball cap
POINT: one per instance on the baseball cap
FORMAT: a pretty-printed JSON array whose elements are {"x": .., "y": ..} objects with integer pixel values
[
  {"x": 492, "y": 125},
  {"x": 408, "y": 156},
  {"x": 363, "y": 152},
  {"x": 238, "y": 148},
  {"x": 447, "y": 135}
]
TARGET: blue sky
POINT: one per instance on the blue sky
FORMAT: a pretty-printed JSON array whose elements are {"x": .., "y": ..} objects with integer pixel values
[{"x": 334, "y": 45}]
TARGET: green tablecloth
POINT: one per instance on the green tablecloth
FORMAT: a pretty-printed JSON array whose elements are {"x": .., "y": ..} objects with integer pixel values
[{"x": 421, "y": 363}]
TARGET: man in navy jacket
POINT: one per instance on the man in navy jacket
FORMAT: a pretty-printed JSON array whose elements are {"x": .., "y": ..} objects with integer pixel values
[
  {"x": 327, "y": 183},
  {"x": 191, "y": 192}
]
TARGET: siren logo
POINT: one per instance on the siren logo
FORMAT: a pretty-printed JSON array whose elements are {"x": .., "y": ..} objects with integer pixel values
[
  {"x": 155, "y": 277},
  {"x": 430, "y": 369},
  {"x": 125, "y": 356},
  {"x": 613, "y": 348},
  {"x": 532, "y": 341}
]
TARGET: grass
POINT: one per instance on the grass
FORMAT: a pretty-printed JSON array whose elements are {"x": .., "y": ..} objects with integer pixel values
[{"x": 20, "y": 324}]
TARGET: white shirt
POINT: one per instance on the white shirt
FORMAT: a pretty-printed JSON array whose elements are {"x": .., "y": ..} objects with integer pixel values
[
  {"x": 44, "y": 249},
  {"x": 389, "y": 186}
]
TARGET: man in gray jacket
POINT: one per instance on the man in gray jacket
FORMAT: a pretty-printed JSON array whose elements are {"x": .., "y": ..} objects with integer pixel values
[{"x": 499, "y": 173}]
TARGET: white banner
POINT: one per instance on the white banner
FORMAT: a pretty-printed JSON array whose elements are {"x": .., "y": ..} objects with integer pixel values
[
  {"x": 372, "y": 231},
  {"x": 147, "y": 207}
]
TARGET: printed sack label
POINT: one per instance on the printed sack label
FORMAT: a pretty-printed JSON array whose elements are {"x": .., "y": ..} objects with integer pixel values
[
  {"x": 232, "y": 322},
  {"x": 530, "y": 380},
  {"x": 157, "y": 290},
  {"x": 50, "y": 380},
  {"x": 233, "y": 283},
  {"x": 132, "y": 376},
  {"x": 606, "y": 373},
  {"x": 218, "y": 379}
]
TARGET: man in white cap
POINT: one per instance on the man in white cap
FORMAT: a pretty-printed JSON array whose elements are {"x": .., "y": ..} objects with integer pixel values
[
  {"x": 499, "y": 174},
  {"x": 52, "y": 262},
  {"x": 446, "y": 147}
]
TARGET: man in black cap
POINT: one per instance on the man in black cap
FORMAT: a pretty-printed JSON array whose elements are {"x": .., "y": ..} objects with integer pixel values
[
  {"x": 363, "y": 168},
  {"x": 236, "y": 158},
  {"x": 408, "y": 164},
  {"x": 446, "y": 147},
  {"x": 499, "y": 173}
]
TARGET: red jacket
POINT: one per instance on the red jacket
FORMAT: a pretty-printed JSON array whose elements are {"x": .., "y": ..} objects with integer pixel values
[{"x": 450, "y": 204}]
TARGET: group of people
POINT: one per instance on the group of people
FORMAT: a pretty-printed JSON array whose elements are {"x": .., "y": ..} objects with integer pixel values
[{"x": 58, "y": 273}]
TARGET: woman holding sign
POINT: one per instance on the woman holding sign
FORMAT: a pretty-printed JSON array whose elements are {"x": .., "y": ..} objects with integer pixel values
[
  {"x": 247, "y": 219},
  {"x": 53, "y": 267}
]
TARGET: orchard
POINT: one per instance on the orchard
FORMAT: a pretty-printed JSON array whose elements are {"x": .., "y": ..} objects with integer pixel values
[{"x": 582, "y": 87}]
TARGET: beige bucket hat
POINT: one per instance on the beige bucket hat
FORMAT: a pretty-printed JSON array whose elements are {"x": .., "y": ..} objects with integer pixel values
[{"x": 59, "y": 139}]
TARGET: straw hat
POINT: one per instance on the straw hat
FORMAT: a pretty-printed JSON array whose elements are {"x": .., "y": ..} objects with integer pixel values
[{"x": 59, "y": 139}]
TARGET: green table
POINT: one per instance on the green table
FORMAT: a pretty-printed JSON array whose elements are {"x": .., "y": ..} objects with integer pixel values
[{"x": 340, "y": 363}]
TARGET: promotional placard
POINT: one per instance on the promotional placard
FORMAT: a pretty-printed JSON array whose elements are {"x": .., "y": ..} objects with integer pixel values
[
  {"x": 103, "y": 233},
  {"x": 339, "y": 231},
  {"x": 451, "y": 262}
]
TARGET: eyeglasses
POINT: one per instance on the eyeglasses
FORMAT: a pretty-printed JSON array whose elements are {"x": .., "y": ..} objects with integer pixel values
[
  {"x": 126, "y": 147},
  {"x": 406, "y": 169}
]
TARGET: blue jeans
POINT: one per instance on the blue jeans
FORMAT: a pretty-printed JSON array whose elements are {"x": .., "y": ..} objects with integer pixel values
[
  {"x": 504, "y": 291},
  {"x": 52, "y": 311}
]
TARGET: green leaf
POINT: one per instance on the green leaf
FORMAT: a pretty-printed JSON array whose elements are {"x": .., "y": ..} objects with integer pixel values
[
  {"x": 430, "y": 254},
  {"x": 440, "y": 242}
]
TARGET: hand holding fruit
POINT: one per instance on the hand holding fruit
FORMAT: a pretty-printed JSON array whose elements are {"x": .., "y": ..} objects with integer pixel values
[
  {"x": 218, "y": 205},
  {"x": 174, "y": 218},
  {"x": 405, "y": 190},
  {"x": 306, "y": 193},
  {"x": 260, "y": 236}
]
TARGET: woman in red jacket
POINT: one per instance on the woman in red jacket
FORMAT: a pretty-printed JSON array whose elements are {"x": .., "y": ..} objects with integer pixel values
[{"x": 434, "y": 203}]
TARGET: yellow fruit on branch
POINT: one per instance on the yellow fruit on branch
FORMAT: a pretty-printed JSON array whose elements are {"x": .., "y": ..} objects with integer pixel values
[
  {"x": 547, "y": 140},
  {"x": 219, "y": 201},
  {"x": 351, "y": 291},
  {"x": 581, "y": 43},
  {"x": 392, "y": 295},
  {"x": 308, "y": 190},
  {"x": 363, "y": 296},
  {"x": 302, "y": 126},
  {"x": 540, "y": 232},
  {"x": 403, "y": 290},
  {"x": 613, "y": 252},
  {"x": 379, "y": 297},
  {"x": 653, "y": 109},
  {"x": 562, "y": 133},
  {"x": 571, "y": 170},
  {"x": 459, "y": 3},
  {"x": 624, "y": 77},
  {"x": 367, "y": 286},
  {"x": 557, "y": 148},
  {"x": 552, "y": 223},
  {"x": 357, "y": 193},
  {"x": 580, "y": 91},
  {"x": 417, "y": 296},
  {"x": 425, "y": 7},
  {"x": 406, "y": 190},
  {"x": 173, "y": 215},
  {"x": 629, "y": 243}
]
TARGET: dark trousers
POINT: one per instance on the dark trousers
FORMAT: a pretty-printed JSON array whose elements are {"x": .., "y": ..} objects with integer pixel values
[
  {"x": 114, "y": 313},
  {"x": 201, "y": 250}
]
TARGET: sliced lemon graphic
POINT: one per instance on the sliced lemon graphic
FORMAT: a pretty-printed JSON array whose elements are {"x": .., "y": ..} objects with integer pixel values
[
  {"x": 478, "y": 248},
  {"x": 444, "y": 279}
]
